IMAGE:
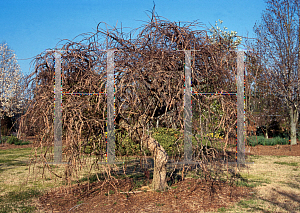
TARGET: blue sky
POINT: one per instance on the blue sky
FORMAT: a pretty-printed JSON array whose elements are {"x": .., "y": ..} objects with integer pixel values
[{"x": 30, "y": 27}]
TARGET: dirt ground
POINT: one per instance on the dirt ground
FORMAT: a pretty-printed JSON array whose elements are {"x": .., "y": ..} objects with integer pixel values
[
  {"x": 277, "y": 150},
  {"x": 189, "y": 195}
]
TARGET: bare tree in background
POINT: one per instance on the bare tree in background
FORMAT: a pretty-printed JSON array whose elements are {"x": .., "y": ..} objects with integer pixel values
[
  {"x": 263, "y": 107},
  {"x": 278, "y": 37},
  {"x": 10, "y": 84}
]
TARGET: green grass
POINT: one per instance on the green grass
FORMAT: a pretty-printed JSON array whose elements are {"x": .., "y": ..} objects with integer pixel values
[
  {"x": 222, "y": 209},
  {"x": 249, "y": 204},
  {"x": 16, "y": 196},
  {"x": 280, "y": 156},
  {"x": 251, "y": 181},
  {"x": 18, "y": 201},
  {"x": 14, "y": 157},
  {"x": 288, "y": 164}
]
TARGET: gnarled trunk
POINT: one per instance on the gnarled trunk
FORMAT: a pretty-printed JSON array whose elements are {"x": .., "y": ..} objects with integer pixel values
[
  {"x": 159, "y": 154},
  {"x": 160, "y": 160}
]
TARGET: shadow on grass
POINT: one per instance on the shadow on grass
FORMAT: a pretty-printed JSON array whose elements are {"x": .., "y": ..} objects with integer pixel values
[
  {"x": 284, "y": 205},
  {"x": 18, "y": 201}
]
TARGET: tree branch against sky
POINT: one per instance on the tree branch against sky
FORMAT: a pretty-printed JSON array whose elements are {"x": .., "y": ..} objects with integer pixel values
[{"x": 278, "y": 48}]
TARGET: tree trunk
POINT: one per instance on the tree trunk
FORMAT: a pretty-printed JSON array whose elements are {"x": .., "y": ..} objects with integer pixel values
[
  {"x": 266, "y": 134},
  {"x": 159, "y": 154},
  {"x": 160, "y": 161},
  {"x": 294, "y": 115},
  {"x": 172, "y": 123}
]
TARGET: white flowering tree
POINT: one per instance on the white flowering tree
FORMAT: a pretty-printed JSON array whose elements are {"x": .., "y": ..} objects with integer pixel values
[
  {"x": 11, "y": 100},
  {"x": 224, "y": 37}
]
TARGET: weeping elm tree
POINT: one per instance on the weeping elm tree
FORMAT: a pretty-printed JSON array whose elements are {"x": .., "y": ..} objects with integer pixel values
[
  {"x": 149, "y": 82},
  {"x": 10, "y": 79},
  {"x": 278, "y": 37}
]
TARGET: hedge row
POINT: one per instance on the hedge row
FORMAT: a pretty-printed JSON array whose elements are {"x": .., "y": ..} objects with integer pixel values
[
  {"x": 13, "y": 140},
  {"x": 261, "y": 140}
]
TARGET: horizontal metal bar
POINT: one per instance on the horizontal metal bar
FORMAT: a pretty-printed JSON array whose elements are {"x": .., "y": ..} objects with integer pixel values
[
  {"x": 266, "y": 115},
  {"x": 57, "y": 162},
  {"x": 110, "y": 162},
  {"x": 53, "y": 50},
  {"x": 162, "y": 51},
  {"x": 208, "y": 93},
  {"x": 83, "y": 93},
  {"x": 195, "y": 162}
]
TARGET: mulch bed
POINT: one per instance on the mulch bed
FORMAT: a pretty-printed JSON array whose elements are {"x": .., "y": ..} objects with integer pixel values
[
  {"x": 280, "y": 150},
  {"x": 190, "y": 195}
]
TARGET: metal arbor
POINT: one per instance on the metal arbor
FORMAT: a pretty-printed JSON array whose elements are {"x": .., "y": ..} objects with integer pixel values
[{"x": 240, "y": 151}]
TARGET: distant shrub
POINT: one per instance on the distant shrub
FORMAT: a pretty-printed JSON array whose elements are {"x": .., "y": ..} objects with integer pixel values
[
  {"x": 261, "y": 140},
  {"x": 125, "y": 146},
  {"x": 281, "y": 141},
  {"x": 4, "y": 139},
  {"x": 14, "y": 140}
]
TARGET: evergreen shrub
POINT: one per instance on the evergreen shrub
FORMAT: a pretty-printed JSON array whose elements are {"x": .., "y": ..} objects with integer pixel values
[{"x": 261, "y": 140}]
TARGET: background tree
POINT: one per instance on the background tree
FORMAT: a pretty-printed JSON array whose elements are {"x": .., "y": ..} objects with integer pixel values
[
  {"x": 278, "y": 48},
  {"x": 263, "y": 107},
  {"x": 10, "y": 84}
]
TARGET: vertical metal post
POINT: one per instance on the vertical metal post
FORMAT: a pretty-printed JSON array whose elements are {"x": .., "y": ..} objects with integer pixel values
[
  {"x": 57, "y": 116},
  {"x": 110, "y": 108},
  {"x": 188, "y": 151},
  {"x": 240, "y": 109}
]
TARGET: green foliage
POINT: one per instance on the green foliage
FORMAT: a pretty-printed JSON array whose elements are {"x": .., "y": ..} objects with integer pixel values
[
  {"x": 94, "y": 145},
  {"x": 170, "y": 139},
  {"x": 261, "y": 140},
  {"x": 4, "y": 139},
  {"x": 173, "y": 140},
  {"x": 125, "y": 146},
  {"x": 14, "y": 140}
]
